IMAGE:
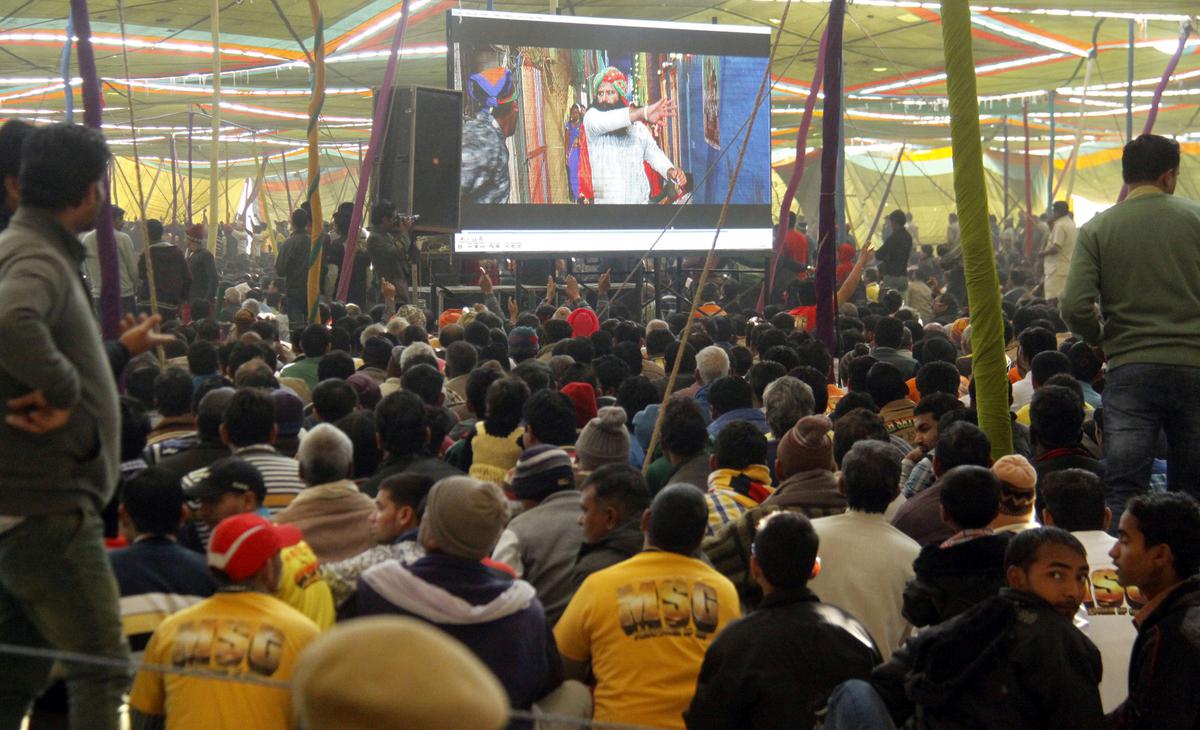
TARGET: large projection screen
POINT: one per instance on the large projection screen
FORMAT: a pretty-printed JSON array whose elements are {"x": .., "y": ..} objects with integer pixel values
[{"x": 566, "y": 149}]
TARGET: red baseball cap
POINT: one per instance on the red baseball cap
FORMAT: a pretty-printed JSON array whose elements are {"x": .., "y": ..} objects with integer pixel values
[{"x": 241, "y": 545}]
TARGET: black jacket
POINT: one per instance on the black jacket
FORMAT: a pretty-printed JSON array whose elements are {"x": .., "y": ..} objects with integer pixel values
[
  {"x": 203, "y": 268},
  {"x": 1164, "y": 665},
  {"x": 625, "y": 541},
  {"x": 948, "y": 581},
  {"x": 777, "y": 666},
  {"x": 1009, "y": 662},
  {"x": 292, "y": 265},
  {"x": 893, "y": 254}
]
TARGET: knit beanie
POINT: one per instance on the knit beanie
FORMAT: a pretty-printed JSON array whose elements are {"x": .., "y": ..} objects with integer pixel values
[
  {"x": 604, "y": 440},
  {"x": 464, "y": 516},
  {"x": 450, "y": 316},
  {"x": 1018, "y": 482},
  {"x": 522, "y": 341},
  {"x": 366, "y": 388},
  {"x": 806, "y": 446},
  {"x": 584, "y": 322},
  {"x": 441, "y": 683},
  {"x": 289, "y": 412},
  {"x": 542, "y": 471},
  {"x": 583, "y": 397}
]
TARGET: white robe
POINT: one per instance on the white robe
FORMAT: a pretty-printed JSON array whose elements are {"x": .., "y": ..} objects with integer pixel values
[{"x": 616, "y": 150}]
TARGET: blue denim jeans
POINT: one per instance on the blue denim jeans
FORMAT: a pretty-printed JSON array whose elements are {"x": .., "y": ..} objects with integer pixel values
[
  {"x": 1140, "y": 400},
  {"x": 855, "y": 705},
  {"x": 57, "y": 590}
]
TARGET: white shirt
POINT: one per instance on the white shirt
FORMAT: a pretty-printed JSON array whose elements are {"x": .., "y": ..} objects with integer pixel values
[
  {"x": 1022, "y": 392},
  {"x": 616, "y": 150},
  {"x": 1106, "y": 617},
  {"x": 126, "y": 263},
  {"x": 865, "y": 563}
]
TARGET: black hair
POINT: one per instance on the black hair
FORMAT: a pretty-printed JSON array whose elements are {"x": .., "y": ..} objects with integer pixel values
[
  {"x": 853, "y": 400},
  {"x": 683, "y": 430},
  {"x": 1075, "y": 499},
  {"x": 400, "y": 420},
  {"x": 1171, "y": 519},
  {"x": 784, "y": 355},
  {"x": 139, "y": 383},
  {"x": 938, "y": 377},
  {"x": 1023, "y": 548},
  {"x": 249, "y": 417},
  {"x": 889, "y": 332},
  {"x": 730, "y": 393},
  {"x": 555, "y": 330},
  {"x": 460, "y": 358},
  {"x": 815, "y": 355},
  {"x": 687, "y": 363},
  {"x": 620, "y": 485},
  {"x": 12, "y": 137},
  {"x": 763, "y": 374},
  {"x": 1047, "y": 364},
  {"x": 885, "y": 383},
  {"x": 153, "y": 499},
  {"x": 135, "y": 427},
  {"x": 769, "y": 338},
  {"x": 857, "y": 425},
  {"x": 636, "y": 394},
  {"x": 858, "y": 368},
  {"x": 301, "y": 218},
  {"x": 1055, "y": 417},
  {"x": 360, "y": 427},
  {"x": 536, "y": 375},
  {"x": 478, "y": 383},
  {"x": 971, "y": 496},
  {"x": 739, "y": 445},
  {"x": 414, "y": 333},
  {"x": 678, "y": 519},
  {"x": 407, "y": 490},
  {"x": 1147, "y": 157},
  {"x": 740, "y": 360},
  {"x": 1085, "y": 366},
  {"x": 936, "y": 348},
  {"x": 59, "y": 162},
  {"x": 610, "y": 371},
  {"x": 173, "y": 392},
  {"x": 818, "y": 382},
  {"x": 505, "y": 402},
  {"x": 785, "y": 548},
  {"x": 550, "y": 416},
  {"x": 630, "y": 354},
  {"x": 425, "y": 381},
  {"x": 333, "y": 400},
  {"x": 1035, "y": 340},
  {"x": 871, "y": 473},
  {"x": 658, "y": 342},
  {"x": 336, "y": 364},
  {"x": 314, "y": 340},
  {"x": 579, "y": 348},
  {"x": 602, "y": 342},
  {"x": 961, "y": 444},
  {"x": 381, "y": 211},
  {"x": 937, "y": 405}
]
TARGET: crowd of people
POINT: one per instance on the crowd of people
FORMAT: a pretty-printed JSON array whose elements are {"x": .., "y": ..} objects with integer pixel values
[{"x": 486, "y": 518}]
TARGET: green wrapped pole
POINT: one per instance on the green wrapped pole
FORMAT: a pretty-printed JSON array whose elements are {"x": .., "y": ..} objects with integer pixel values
[{"x": 970, "y": 192}]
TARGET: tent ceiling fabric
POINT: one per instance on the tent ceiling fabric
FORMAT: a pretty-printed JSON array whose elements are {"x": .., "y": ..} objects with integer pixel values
[{"x": 892, "y": 66}]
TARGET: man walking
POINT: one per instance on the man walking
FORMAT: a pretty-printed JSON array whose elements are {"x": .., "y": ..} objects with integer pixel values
[
  {"x": 1139, "y": 258},
  {"x": 1056, "y": 257},
  {"x": 60, "y": 439}
]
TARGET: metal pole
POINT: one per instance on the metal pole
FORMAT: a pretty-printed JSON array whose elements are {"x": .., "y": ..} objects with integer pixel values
[
  {"x": 1050, "y": 159},
  {"x": 1129, "y": 90}
]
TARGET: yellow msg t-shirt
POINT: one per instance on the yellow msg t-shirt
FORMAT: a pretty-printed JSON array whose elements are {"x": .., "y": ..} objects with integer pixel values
[
  {"x": 302, "y": 586},
  {"x": 240, "y": 634},
  {"x": 645, "y": 624}
]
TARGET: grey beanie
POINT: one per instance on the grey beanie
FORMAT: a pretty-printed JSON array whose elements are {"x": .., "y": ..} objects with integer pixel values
[
  {"x": 604, "y": 440},
  {"x": 464, "y": 516}
]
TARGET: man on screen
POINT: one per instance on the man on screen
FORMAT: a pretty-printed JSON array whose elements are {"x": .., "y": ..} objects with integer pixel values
[
  {"x": 618, "y": 144},
  {"x": 484, "y": 153}
]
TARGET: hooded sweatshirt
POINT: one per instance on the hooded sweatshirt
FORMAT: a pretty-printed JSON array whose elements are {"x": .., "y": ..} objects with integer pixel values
[{"x": 500, "y": 620}]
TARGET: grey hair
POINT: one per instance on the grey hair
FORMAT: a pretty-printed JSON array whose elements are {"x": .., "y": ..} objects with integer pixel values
[
  {"x": 787, "y": 400},
  {"x": 370, "y": 331},
  {"x": 711, "y": 363},
  {"x": 413, "y": 350},
  {"x": 326, "y": 455}
]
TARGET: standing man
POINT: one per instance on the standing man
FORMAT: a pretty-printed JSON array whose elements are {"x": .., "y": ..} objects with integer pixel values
[
  {"x": 60, "y": 439},
  {"x": 390, "y": 256},
  {"x": 617, "y": 142},
  {"x": 126, "y": 267},
  {"x": 172, "y": 280},
  {"x": 292, "y": 264},
  {"x": 201, "y": 265},
  {"x": 485, "y": 151},
  {"x": 1140, "y": 258},
  {"x": 1056, "y": 257},
  {"x": 893, "y": 254}
]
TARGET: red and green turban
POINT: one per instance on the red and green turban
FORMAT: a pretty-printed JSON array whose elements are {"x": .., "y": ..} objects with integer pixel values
[{"x": 613, "y": 76}]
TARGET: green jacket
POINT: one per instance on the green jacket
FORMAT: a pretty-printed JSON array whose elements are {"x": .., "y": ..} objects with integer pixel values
[{"x": 1140, "y": 261}]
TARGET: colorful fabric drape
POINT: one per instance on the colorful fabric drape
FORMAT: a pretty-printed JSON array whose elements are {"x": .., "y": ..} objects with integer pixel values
[
  {"x": 1030, "y": 218},
  {"x": 831, "y": 143},
  {"x": 106, "y": 240},
  {"x": 316, "y": 250},
  {"x": 983, "y": 286},
  {"x": 383, "y": 103},
  {"x": 781, "y": 230}
]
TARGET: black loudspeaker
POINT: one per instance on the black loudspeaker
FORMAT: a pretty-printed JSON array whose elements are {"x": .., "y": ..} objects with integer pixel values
[{"x": 421, "y": 160}]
